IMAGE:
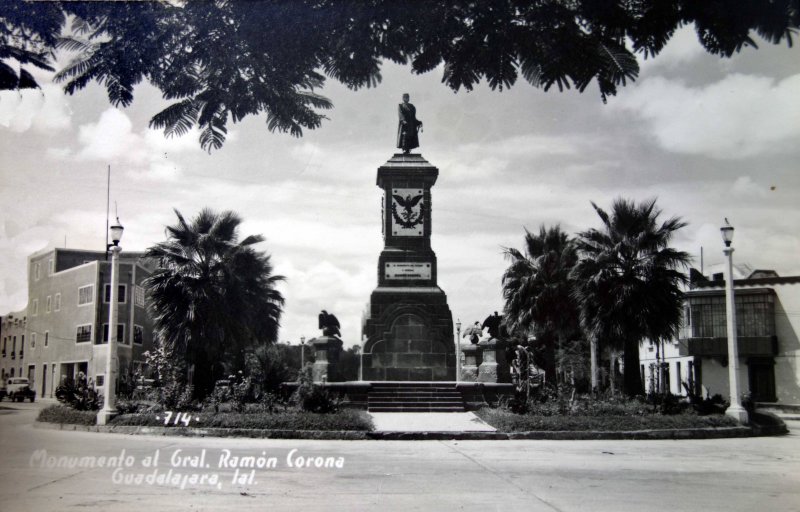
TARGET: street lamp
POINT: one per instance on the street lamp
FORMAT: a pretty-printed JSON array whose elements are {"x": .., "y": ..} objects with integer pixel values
[
  {"x": 735, "y": 410},
  {"x": 458, "y": 350},
  {"x": 302, "y": 352},
  {"x": 109, "y": 409},
  {"x": 361, "y": 358}
]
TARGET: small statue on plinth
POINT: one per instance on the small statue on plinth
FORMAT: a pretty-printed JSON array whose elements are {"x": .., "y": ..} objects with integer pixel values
[
  {"x": 329, "y": 324},
  {"x": 475, "y": 332},
  {"x": 409, "y": 126},
  {"x": 493, "y": 323}
]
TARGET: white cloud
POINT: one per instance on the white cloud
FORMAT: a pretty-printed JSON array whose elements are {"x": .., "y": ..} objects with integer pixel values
[
  {"x": 146, "y": 155},
  {"x": 42, "y": 110},
  {"x": 682, "y": 48},
  {"x": 110, "y": 138},
  {"x": 740, "y": 116},
  {"x": 744, "y": 186}
]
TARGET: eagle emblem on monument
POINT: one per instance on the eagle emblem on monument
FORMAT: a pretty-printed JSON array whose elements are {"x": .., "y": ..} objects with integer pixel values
[{"x": 407, "y": 211}]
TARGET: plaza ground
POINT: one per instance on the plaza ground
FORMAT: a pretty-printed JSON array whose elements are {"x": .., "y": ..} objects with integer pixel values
[{"x": 721, "y": 474}]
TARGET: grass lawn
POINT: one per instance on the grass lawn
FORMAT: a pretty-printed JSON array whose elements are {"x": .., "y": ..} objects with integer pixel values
[
  {"x": 506, "y": 421},
  {"x": 346, "y": 419}
]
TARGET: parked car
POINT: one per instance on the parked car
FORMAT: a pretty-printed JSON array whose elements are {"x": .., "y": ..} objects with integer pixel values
[{"x": 19, "y": 388}]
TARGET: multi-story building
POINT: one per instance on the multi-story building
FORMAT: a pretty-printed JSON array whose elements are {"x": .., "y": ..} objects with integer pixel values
[
  {"x": 768, "y": 338},
  {"x": 12, "y": 337},
  {"x": 67, "y": 317}
]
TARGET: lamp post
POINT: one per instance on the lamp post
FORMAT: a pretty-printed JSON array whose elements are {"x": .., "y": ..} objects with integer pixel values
[
  {"x": 109, "y": 409},
  {"x": 458, "y": 350},
  {"x": 361, "y": 358},
  {"x": 735, "y": 410},
  {"x": 302, "y": 352}
]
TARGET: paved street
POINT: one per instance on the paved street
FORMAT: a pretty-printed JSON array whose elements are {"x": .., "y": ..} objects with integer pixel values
[{"x": 735, "y": 474}]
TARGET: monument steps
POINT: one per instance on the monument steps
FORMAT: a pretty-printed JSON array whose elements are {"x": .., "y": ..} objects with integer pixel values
[{"x": 414, "y": 397}]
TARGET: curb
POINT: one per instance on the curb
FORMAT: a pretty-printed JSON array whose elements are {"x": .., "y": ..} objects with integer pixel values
[{"x": 351, "y": 435}]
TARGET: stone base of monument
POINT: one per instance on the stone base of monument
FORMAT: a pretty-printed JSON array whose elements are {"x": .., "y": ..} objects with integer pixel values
[
  {"x": 326, "y": 362},
  {"x": 493, "y": 367},
  {"x": 472, "y": 360}
]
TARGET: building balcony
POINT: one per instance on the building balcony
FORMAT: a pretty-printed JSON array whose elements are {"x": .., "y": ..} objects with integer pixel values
[{"x": 749, "y": 346}]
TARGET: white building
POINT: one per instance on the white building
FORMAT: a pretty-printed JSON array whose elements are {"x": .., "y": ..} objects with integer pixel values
[{"x": 768, "y": 323}]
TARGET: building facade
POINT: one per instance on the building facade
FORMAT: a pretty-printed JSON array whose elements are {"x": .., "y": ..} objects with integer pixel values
[
  {"x": 767, "y": 324},
  {"x": 67, "y": 327},
  {"x": 12, "y": 337}
]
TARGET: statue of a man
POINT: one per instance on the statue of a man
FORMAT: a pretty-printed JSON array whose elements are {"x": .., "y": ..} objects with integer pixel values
[{"x": 409, "y": 126}]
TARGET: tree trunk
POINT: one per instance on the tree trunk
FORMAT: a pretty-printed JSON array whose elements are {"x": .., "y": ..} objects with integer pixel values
[
  {"x": 612, "y": 374},
  {"x": 545, "y": 357},
  {"x": 594, "y": 369},
  {"x": 632, "y": 378}
]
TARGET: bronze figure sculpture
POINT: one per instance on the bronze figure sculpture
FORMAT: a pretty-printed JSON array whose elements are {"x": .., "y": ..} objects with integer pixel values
[
  {"x": 329, "y": 324},
  {"x": 408, "y": 127}
]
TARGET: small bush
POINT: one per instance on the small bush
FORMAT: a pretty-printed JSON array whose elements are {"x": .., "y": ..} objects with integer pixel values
[
  {"x": 65, "y": 414},
  {"x": 312, "y": 397},
  {"x": 79, "y": 394}
]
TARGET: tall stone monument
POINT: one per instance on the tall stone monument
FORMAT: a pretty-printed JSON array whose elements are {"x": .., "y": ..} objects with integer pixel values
[{"x": 408, "y": 325}]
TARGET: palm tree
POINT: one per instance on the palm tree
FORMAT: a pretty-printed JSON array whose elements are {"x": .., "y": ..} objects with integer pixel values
[
  {"x": 538, "y": 295},
  {"x": 212, "y": 296},
  {"x": 628, "y": 281}
]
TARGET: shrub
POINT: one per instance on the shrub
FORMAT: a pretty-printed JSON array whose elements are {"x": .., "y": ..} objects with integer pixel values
[
  {"x": 78, "y": 394},
  {"x": 65, "y": 414},
  {"x": 312, "y": 397}
]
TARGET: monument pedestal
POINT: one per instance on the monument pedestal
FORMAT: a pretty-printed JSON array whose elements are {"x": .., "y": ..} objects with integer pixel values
[
  {"x": 326, "y": 359},
  {"x": 493, "y": 367},
  {"x": 408, "y": 325},
  {"x": 472, "y": 359}
]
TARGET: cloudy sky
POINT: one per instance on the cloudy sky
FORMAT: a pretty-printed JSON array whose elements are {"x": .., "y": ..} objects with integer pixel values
[{"x": 708, "y": 137}]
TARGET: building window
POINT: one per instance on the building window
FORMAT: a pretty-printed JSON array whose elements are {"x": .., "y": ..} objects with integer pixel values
[
  {"x": 120, "y": 334},
  {"x": 33, "y": 340},
  {"x": 138, "y": 334},
  {"x": 84, "y": 333},
  {"x": 755, "y": 316},
  {"x": 46, "y": 338},
  {"x": 51, "y": 267},
  {"x": 99, "y": 381},
  {"x": 57, "y": 302},
  {"x": 35, "y": 307},
  {"x": 86, "y": 294},
  {"x": 138, "y": 296},
  {"x": 120, "y": 294},
  {"x": 49, "y": 304},
  {"x": 37, "y": 269}
]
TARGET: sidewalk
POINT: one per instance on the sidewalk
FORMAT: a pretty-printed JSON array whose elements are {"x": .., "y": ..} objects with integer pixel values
[{"x": 429, "y": 422}]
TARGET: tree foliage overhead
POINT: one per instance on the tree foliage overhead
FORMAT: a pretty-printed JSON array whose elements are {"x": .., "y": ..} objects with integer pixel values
[
  {"x": 28, "y": 34},
  {"x": 222, "y": 60}
]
